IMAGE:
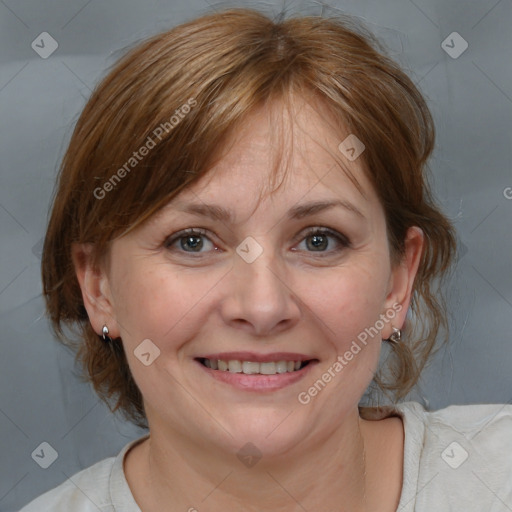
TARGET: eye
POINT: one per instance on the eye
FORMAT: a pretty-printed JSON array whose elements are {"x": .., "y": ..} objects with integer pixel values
[
  {"x": 318, "y": 240},
  {"x": 193, "y": 239}
]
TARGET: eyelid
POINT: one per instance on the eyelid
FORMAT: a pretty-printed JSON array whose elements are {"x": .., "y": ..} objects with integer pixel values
[
  {"x": 342, "y": 239},
  {"x": 171, "y": 239}
]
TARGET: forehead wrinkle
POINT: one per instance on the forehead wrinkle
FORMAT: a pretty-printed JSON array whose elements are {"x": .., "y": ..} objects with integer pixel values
[
  {"x": 294, "y": 105},
  {"x": 281, "y": 168}
]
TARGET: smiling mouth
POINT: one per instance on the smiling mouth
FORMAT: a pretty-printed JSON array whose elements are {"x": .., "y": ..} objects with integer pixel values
[{"x": 254, "y": 368}]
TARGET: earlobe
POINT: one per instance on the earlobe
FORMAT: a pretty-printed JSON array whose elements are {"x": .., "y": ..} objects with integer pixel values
[
  {"x": 403, "y": 277},
  {"x": 95, "y": 289}
]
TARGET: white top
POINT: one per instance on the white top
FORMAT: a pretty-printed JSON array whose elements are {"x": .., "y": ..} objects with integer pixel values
[{"x": 457, "y": 458}]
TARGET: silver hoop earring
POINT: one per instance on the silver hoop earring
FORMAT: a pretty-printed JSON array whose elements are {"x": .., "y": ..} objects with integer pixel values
[
  {"x": 396, "y": 335},
  {"x": 106, "y": 337}
]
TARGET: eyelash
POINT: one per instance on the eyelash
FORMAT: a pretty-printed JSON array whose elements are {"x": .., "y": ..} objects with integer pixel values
[{"x": 342, "y": 240}]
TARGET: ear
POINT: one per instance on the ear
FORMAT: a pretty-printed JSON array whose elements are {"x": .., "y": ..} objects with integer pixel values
[
  {"x": 402, "y": 280},
  {"x": 95, "y": 290}
]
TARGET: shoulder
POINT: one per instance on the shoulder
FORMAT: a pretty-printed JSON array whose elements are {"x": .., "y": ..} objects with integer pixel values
[
  {"x": 465, "y": 456},
  {"x": 456, "y": 458},
  {"x": 86, "y": 491},
  {"x": 102, "y": 486},
  {"x": 495, "y": 419},
  {"x": 471, "y": 418},
  {"x": 467, "y": 432},
  {"x": 479, "y": 435}
]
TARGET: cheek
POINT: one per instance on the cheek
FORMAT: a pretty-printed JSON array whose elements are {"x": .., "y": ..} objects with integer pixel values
[
  {"x": 351, "y": 310},
  {"x": 154, "y": 300},
  {"x": 349, "y": 303},
  {"x": 350, "y": 299}
]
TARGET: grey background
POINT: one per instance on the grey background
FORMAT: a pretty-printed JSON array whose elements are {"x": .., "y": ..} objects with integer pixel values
[{"x": 41, "y": 398}]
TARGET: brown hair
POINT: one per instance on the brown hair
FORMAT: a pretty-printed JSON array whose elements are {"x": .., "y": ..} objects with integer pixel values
[{"x": 181, "y": 94}]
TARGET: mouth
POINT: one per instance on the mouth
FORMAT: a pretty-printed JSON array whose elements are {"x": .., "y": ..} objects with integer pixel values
[
  {"x": 254, "y": 367},
  {"x": 256, "y": 372}
]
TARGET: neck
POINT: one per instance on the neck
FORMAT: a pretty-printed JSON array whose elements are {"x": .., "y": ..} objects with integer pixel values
[{"x": 324, "y": 472}]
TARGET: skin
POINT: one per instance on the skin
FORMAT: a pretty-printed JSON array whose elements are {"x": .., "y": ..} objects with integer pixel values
[{"x": 292, "y": 298}]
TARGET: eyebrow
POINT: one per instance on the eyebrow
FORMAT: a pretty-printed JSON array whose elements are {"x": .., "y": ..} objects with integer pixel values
[{"x": 297, "y": 212}]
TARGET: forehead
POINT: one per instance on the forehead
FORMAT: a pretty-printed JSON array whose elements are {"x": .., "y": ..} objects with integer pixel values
[{"x": 284, "y": 152}]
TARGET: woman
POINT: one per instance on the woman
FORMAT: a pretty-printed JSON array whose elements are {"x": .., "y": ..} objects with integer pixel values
[{"x": 242, "y": 216}]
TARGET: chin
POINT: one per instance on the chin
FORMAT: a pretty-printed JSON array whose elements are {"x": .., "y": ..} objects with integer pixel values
[{"x": 273, "y": 432}]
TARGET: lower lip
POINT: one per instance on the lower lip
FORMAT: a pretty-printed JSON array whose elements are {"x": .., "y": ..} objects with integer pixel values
[{"x": 259, "y": 382}]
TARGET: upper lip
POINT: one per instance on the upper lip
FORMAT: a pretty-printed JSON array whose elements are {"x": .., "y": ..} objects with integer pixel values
[{"x": 257, "y": 358}]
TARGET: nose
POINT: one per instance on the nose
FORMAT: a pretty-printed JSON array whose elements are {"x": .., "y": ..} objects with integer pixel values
[{"x": 260, "y": 298}]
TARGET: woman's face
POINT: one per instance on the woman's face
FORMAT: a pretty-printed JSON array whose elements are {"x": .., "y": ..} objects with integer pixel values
[{"x": 257, "y": 286}]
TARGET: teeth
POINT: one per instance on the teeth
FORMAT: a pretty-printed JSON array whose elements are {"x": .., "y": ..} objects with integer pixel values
[
  {"x": 249, "y": 368},
  {"x": 268, "y": 368},
  {"x": 281, "y": 367},
  {"x": 235, "y": 366},
  {"x": 252, "y": 368}
]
